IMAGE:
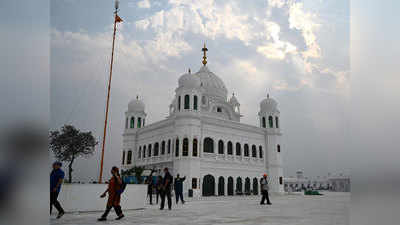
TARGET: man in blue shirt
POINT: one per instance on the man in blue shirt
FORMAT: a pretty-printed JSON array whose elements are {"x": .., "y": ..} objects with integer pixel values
[{"x": 56, "y": 179}]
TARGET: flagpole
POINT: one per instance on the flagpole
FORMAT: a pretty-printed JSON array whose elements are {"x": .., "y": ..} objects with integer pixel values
[{"x": 108, "y": 91}]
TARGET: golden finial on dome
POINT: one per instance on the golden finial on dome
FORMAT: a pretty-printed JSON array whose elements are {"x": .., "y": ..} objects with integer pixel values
[{"x": 204, "y": 49}]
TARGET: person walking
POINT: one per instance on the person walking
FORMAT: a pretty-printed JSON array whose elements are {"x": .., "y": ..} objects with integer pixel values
[
  {"x": 56, "y": 180},
  {"x": 150, "y": 186},
  {"x": 166, "y": 189},
  {"x": 178, "y": 186},
  {"x": 264, "y": 190},
  {"x": 114, "y": 195},
  {"x": 158, "y": 187}
]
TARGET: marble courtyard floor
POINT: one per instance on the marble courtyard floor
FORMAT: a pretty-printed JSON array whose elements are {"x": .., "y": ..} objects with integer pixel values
[{"x": 329, "y": 209}]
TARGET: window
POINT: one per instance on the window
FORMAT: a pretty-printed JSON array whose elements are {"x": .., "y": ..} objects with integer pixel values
[
  {"x": 238, "y": 150},
  {"x": 220, "y": 147},
  {"x": 261, "y": 151},
  {"x": 264, "y": 125},
  {"x": 185, "y": 147},
  {"x": 195, "y": 147},
  {"x": 126, "y": 123},
  {"x": 143, "y": 122},
  {"x": 195, "y": 102},
  {"x": 123, "y": 157},
  {"x": 280, "y": 180},
  {"x": 133, "y": 122},
  {"x": 230, "y": 148},
  {"x": 156, "y": 147},
  {"x": 187, "y": 102},
  {"x": 254, "y": 151},
  {"x": 204, "y": 100},
  {"x": 278, "y": 148},
  {"x": 169, "y": 146},
  {"x": 162, "y": 147},
  {"x": 149, "y": 151},
  {"x": 194, "y": 183},
  {"x": 219, "y": 109},
  {"x": 129, "y": 158},
  {"x": 179, "y": 103},
  {"x": 177, "y": 148},
  {"x": 208, "y": 145},
  {"x": 271, "y": 122},
  {"x": 144, "y": 151},
  {"x": 139, "y": 122},
  {"x": 246, "y": 150},
  {"x": 140, "y": 152},
  {"x": 277, "y": 122}
]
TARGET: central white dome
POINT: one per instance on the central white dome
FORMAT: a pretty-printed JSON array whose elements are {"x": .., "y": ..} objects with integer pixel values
[{"x": 212, "y": 84}]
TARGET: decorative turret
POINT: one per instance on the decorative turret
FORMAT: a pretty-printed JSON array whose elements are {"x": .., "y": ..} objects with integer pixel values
[
  {"x": 269, "y": 113},
  {"x": 135, "y": 116}
]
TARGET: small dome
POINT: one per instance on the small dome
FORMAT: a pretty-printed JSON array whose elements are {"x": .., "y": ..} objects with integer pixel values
[
  {"x": 269, "y": 105},
  {"x": 234, "y": 100},
  {"x": 136, "y": 105},
  {"x": 189, "y": 80},
  {"x": 212, "y": 83}
]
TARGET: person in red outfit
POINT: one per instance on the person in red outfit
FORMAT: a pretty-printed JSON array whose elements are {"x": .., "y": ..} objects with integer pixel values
[{"x": 114, "y": 196}]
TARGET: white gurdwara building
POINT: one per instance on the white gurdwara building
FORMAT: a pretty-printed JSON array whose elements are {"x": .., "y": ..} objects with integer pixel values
[{"x": 203, "y": 139}]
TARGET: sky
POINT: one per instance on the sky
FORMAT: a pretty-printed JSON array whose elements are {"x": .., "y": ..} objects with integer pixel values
[{"x": 297, "y": 51}]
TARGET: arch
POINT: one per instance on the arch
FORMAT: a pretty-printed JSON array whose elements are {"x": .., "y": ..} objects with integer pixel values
[
  {"x": 280, "y": 180},
  {"x": 140, "y": 152},
  {"x": 132, "y": 122},
  {"x": 230, "y": 148},
  {"x": 221, "y": 186},
  {"x": 187, "y": 102},
  {"x": 230, "y": 185},
  {"x": 238, "y": 150},
  {"x": 123, "y": 157},
  {"x": 143, "y": 122},
  {"x": 156, "y": 149},
  {"x": 126, "y": 122},
  {"x": 162, "y": 147},
  {"x": 139, "y": 122},
  {"x": 276, "y": 122},
  {"x": 220, "y": 147},
  {"x": 239, "y": 185},
  {"x": 144, "y": 151},
  {"x": 270, "y": 122},
  {"x": 208, "y": 145},
  {"x": 254, "y": 151},
  {"x": 149, "y": 151},
  {"x": 264, "y": 124},
  {"x": 129, "y": 158},
  {"x": 179, "y": 103},
  {"x": 204, "y": 100},
  {"x": 208, "y": 185},
  {"x": 247, "y": 185},
  {"x": 169, "y": 147},
  {"x": 195, "y": 102},
  {"x": 177, "y": 147},
  {"x": 195, "y": 147},
  {"x": 246, "y": 150},
  {"x": 260, "y": 151},
  {"x": 255, "y": 186},
  {"x": 278, "y": 148},
  {"x": 185, "y": 147}
]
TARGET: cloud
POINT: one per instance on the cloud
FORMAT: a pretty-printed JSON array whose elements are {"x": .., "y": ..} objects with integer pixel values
[
  {"x": 276, "y": 3},
  {"x": 144, "y": 4}
]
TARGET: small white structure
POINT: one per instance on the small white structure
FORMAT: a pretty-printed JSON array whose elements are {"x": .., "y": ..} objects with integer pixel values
[
  {"x": 204, "y": 140},
  {"x": 338, "y": 183}
]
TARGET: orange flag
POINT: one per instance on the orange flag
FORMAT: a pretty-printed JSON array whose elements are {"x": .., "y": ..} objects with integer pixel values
[{"x": 118, "y": 19}]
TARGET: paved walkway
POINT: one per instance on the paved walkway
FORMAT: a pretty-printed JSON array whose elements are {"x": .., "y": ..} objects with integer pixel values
[{"x": 329, "y": 209}]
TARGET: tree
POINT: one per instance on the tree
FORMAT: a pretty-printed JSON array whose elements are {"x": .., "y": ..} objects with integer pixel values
[{"x": 69, "y": 144}]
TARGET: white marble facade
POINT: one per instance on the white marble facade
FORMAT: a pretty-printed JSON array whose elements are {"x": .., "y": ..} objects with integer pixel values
[{"x": 203, "y": 139}]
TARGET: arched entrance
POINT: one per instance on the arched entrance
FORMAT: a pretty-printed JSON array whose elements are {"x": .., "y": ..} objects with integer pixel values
[
  {"x": 230, "y": 186},
  {"x": 221, "y": 186},
  {"x": 208, "y": 185},
  {"x": 255, "y": 186},
  {"x": 247, "y": 185},
  {"x": 239, "y": 186}
]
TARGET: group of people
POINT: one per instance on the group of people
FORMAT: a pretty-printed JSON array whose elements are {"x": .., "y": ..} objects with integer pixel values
[{"x": 163, "y": 187}]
